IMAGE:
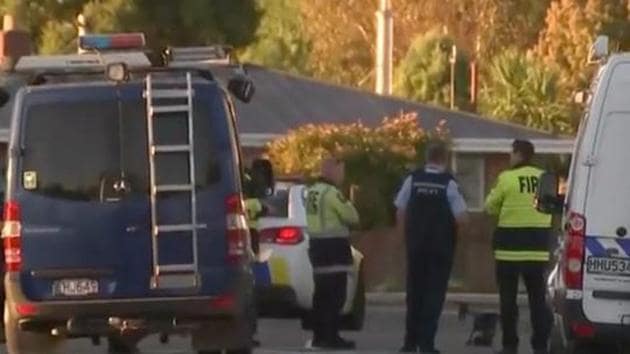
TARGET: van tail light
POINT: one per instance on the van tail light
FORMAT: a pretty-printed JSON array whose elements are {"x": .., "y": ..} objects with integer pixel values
[
  {"x": 583, "y": 330},
  {"x": 11, "y": 237},
  {"x": 573, "y": 259},
  {"x": 289, "y": 235},
  {"x": 237, "y": 231}
]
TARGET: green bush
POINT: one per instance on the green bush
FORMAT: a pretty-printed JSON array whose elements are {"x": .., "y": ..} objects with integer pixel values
[{"x": 376, "y": 158}]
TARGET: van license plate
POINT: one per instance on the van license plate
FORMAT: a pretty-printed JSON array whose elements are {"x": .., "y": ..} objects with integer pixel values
[
  {"x": 608, "y": 266},
  {"x": 75, "y": 287}
]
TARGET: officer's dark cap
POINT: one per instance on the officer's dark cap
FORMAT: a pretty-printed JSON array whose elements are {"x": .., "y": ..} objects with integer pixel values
[{"x": 525, "y": 148}]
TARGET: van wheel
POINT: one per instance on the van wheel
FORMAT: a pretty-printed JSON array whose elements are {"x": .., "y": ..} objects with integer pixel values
[
  {"x": 20, "y": 342},
  {"x": 119, "y": 344}
]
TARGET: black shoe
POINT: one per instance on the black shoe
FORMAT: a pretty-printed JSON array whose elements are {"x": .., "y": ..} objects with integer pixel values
[
  {"x": 341, "y": 344},
  {"x": 541, "y": 351},
  {"x": 408, "y": 348},
  {"x": 431, "y": 351}
]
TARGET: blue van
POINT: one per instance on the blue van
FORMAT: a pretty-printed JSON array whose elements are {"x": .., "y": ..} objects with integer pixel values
[{"x": 123, "y": 212}]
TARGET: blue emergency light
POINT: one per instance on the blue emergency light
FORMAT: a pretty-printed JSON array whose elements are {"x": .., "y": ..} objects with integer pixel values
[{"x": 118, "y": 41}]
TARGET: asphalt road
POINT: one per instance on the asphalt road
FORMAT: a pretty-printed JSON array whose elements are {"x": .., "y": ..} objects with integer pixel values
[{"x": 382, "y": 334}]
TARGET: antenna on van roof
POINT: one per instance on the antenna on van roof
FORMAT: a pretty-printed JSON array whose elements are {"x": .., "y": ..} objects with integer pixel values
[{"x": 599, "y": 50}]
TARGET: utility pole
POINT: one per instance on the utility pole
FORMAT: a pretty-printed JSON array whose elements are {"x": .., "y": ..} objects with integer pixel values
[
  {"x": 453, "y": 62},
  {"x": 81, "y": 30},
  {"x": 384, "y": 48}
]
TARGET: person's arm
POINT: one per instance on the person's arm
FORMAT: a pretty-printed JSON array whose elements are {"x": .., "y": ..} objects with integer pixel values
[
  {"x": 401, "y": 204},
  {"x": 343, "y": 207},
  {"x": 494, "y": 202},
  {"x": 458, "y": 205}
]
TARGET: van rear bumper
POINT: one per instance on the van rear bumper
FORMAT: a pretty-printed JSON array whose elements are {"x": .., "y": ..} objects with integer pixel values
[{"x": 570, "y": 313}]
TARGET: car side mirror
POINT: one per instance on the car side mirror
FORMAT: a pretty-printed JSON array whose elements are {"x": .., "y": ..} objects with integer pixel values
[
  {"x": 242, "y": 88},
  {"x": 263, "y": 177},
  {"x": 548, "y": 198}
]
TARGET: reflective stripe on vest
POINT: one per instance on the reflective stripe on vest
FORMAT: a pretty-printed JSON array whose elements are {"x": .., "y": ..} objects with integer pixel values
[
  {"x": 521, "y": 256},
  {"x": 333, "y": 269}
]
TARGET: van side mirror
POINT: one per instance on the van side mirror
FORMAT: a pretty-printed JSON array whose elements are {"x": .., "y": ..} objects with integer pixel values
[
  {"x": 548, "y": 198},
  {"x": 263, "y": 177},
  {"x": 242, "y": 88}
]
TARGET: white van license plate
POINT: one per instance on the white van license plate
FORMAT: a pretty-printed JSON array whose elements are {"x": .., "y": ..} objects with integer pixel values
[
  {"x": 75, "y": 287},
  {"x": 608, "y": 266}
]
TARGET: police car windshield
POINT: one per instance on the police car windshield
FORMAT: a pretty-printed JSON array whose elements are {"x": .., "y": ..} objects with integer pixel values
[{"x": 71, "y": 146}]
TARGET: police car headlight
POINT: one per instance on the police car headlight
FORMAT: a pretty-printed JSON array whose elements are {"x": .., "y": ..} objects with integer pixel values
[{"x": 117, "y": 72}]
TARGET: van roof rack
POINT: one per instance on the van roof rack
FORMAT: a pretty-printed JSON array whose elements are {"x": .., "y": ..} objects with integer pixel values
[{"x": 214, "y": 55}]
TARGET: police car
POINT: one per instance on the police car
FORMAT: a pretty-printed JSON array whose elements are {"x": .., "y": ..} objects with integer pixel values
[
  {"x": 123, "y": 213},
  {"x": 285, "y": 276},
  {"x": 589, "y": 286}
]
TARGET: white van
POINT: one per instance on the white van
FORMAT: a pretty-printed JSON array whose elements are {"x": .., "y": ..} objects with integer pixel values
[{"x": 590, "y": 285}]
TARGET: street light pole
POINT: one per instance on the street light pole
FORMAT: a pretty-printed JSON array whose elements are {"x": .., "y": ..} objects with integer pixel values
[
  {"x": 384, "y": 48},
  {"x": 453, "y": 62}
]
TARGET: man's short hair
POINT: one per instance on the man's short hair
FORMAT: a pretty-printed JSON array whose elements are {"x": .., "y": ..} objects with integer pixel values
[
  {"x": 437, "y": 152},
  {"x": 525, "y": 148}
]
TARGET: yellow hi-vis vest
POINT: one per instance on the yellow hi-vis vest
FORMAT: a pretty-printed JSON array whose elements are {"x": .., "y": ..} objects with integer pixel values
[
  {"x": 512, "y": 201},
  {"x": 328, "y": 213},
  {"x": 329, "y": 216},
  {"x": 253, "y": 209}
]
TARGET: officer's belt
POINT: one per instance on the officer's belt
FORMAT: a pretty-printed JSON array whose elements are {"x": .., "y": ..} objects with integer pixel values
[
  {"x": 330, "y": 234},
  {"x": 332, "y": 269},
  {"x": 429, "y": 185}
]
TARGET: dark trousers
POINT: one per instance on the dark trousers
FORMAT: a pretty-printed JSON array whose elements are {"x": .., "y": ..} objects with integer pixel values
[
  {"x": 427, "y": 282},
  {"x": 328, "y": 300},
  {"x": 533, "y": 274}
]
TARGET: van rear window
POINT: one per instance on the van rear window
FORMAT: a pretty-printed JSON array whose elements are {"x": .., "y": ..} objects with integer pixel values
[{"x": 75, "y": 148}]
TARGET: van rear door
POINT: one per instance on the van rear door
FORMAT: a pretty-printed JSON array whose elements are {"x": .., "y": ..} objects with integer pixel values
[
  {"x": 85, "y": 237},
  {"x": 606, "y": 295}
]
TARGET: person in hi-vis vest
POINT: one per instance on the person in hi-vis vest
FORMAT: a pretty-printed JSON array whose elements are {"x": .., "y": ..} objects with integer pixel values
[
  {"x": 521, "y": 247},
  {"x": 329, "y": 219}
]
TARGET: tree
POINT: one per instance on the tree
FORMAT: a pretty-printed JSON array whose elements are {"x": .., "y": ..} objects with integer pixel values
[
  {"x": 165, "y": 22},
  {"x": 386, "y": 151},
  {"x": 280, "y": 40},
  {"x": 571, "y": 26},
  {"x": 424, "y": 73},
  {"x": 524, "y": 90}
]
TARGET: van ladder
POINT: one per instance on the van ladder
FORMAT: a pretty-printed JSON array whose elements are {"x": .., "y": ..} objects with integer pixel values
[{"x": 172, "y": 89}]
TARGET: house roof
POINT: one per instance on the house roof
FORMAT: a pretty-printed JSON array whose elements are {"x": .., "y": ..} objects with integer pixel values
[{"x": 284, "y": 101}]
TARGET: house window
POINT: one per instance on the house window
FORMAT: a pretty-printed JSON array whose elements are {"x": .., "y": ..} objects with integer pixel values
[{"x": 470, "y": 174}]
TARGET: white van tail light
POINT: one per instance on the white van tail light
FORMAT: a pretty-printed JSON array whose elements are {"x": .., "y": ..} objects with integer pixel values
[
  {"x": 237, "y": 231},
  {"x": 11, "y": 237},
  {"x": 573, "y": 260}
]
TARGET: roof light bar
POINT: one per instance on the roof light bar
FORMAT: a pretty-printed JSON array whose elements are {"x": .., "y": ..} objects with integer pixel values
[{"x": 118, "y": 41}]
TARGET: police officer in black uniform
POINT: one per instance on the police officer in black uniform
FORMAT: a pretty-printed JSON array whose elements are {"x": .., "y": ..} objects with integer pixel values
[{"x": 430, "y": 207}]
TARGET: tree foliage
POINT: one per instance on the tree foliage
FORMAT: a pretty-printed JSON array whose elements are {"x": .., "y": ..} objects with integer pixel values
[
  {"x": 281, "y": 41},
  {"x": 424, "y": 74},
  {"x": 165, "y": 22},
  {"x": 571, "y": 26},
  {"x": 523, "y": 90},
  {"x": 386, "y": 151}
]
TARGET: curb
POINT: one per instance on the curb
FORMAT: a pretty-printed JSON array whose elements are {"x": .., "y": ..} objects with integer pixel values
[{"x": 452, "y": 299}]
